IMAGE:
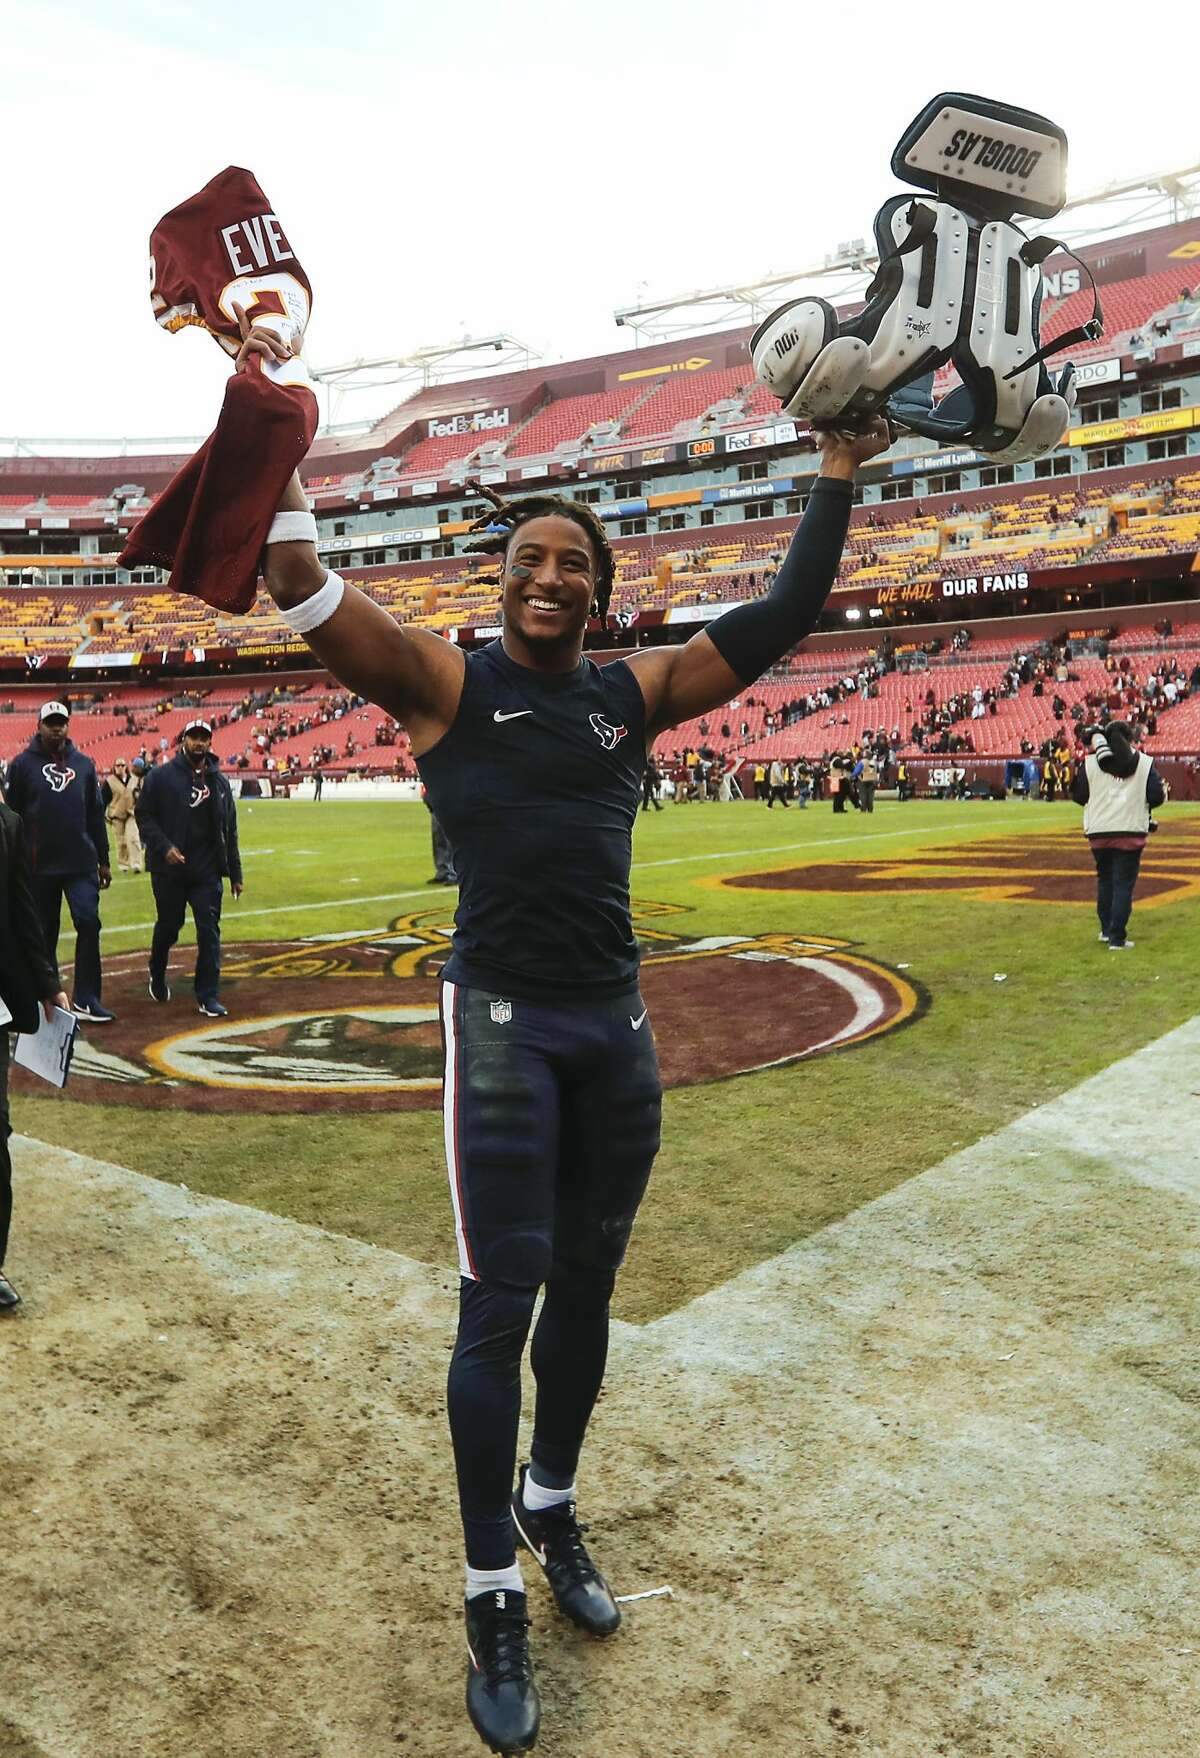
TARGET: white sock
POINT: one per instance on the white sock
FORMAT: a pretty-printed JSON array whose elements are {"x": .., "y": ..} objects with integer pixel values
[
  {"x": 508, "y": 1580},
  {"x": 537, "y": 1495}
]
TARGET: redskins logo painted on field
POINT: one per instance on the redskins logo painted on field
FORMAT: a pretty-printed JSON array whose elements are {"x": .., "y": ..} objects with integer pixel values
[{"x": 352, "y": 1020}]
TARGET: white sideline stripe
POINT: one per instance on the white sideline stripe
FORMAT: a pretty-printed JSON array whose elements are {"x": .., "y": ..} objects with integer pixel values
[
  {"x": 728, "y": 854},
  {"x": 762, "y": 1320},
  {"x": 449, "y": 1103}
]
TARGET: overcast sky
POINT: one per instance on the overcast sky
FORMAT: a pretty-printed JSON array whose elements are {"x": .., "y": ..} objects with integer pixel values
[{"x": 496, "y": 165}]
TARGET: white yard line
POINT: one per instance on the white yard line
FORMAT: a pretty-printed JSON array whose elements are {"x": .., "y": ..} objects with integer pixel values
[{"x": 731, "y": 854}]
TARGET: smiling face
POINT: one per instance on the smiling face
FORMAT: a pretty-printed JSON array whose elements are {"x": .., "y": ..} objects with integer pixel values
[{"x": 549, "y": 585}]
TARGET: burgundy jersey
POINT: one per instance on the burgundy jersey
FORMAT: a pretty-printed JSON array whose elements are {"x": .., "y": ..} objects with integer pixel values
[{"x": 221, "y": 248}]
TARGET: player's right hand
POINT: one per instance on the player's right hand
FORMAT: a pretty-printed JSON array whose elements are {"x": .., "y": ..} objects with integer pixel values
[
  {"x": 176, "y": 857},
  {"x": 257, "y": 341}
]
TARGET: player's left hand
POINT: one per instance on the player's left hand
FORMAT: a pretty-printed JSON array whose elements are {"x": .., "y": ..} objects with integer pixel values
[
  {"x": 105, "y": 878},
  {"x": 262, "y": 342},
  {"x": 842, "y": 453},
  {"x": 236, "y": 886}
]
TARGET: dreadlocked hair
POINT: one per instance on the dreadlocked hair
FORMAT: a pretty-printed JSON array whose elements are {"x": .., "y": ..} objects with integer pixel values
[{"x": 511, "y": 515}]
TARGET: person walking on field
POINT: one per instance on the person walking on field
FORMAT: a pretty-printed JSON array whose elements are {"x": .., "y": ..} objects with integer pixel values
[
  {"x": 53, "y": 788},
  {"x": 868, "y": 780},
  {"x": 651, "y": 782},
  {"x": 1118, "y": 787},
  {"x": 533, "y": 758},
  {"x": 837, "y": 783},
  {"x": 777, "y": 784},
  {"x": 119, "y": 795},
  {"x": 188, "y": 822},
  {"x": 28, "y": 976}
]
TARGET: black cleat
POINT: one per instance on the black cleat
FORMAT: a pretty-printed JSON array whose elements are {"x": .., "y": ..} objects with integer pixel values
[
  {"x": 160, "y": 989},
  {"x": 555, "y": 1538},
  {"x": 8, "y": 1295},
  {"x": 502, "y": 1698}
]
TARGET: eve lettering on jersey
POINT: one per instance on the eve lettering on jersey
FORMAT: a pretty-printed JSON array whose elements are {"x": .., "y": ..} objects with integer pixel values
[{"x": 262, "y": 236}]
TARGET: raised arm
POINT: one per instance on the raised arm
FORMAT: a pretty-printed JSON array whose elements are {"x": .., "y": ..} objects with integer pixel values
[
  {"x": 681, "y": 682},
  {"x": 414, "y": 675}
]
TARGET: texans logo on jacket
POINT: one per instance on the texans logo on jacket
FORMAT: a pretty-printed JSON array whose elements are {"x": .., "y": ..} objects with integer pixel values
[
  {"x": 199, "y": 793},
  {"x": 59, "y": 776},
  {"x": 606, "y": 732}
]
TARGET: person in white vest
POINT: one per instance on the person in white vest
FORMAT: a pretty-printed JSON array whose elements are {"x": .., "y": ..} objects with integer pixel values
[{"x": 1118, "y": 787}]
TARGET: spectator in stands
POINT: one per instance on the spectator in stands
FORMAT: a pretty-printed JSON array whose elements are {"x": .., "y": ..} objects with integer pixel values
[
  {"x": 1118, "y": 787},
  {"x": 119, "y": 795},
  {"x": 188, "y": 820},
  {"x": 54, "y": 788},
  {"x": 28, "y": 976}
]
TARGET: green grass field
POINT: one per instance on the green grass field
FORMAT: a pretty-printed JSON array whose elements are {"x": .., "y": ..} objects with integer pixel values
[{"x": 748, "y": 1166}]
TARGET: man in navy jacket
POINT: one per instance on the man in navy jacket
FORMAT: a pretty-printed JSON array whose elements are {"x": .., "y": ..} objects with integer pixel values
[
  {"x": 54, "y": 789},
  {"x": 188, "y": 823}
]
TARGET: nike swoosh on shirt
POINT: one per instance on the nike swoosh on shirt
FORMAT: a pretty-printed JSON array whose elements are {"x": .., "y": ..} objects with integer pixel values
[
  {"x": 635, "y": 1023},
  {"x": 498, "y": 717}
]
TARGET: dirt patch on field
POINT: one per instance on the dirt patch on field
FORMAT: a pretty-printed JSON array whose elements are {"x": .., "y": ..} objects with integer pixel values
[
  {"x": 923, "y": 1487},
  {"x": 354, "y": 1020},
  {"x": 1034, "y": 869}
]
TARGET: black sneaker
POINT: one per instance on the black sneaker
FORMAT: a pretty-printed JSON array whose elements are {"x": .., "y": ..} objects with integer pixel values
[
  {"x": 212, "y": 1009},
  {"x": 8, "y": 1295},
  {"x": 92, "y": 1011},
  {"x": 555, "y": 1538},
  {"x": 502, "y": 1698},
  {"x": 160, "y": 989}
]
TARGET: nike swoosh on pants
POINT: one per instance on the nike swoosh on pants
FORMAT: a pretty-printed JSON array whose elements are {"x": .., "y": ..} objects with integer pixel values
[{"x": 636, "y": 1023}]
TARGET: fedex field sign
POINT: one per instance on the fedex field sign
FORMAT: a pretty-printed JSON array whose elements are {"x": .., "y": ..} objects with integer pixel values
[{"x": 480, "y": 421}]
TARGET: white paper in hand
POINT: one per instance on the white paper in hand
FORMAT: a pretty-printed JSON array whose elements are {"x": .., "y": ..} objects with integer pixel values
[{"x": 48, "y": 1051}]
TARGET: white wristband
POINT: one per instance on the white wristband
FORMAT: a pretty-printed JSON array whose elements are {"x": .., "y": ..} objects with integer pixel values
[
  {"x": 318, "y": 609},
  {"x": 293, "y": 528}
]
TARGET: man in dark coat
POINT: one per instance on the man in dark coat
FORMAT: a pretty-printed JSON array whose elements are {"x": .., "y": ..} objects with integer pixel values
[
  {"x": 188, "y": 821},
  {"x": 28, "y": 976},
  {"x": 54, "y": 788}
]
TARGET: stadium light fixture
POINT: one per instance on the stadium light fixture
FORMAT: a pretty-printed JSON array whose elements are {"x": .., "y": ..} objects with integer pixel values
[{"x": 853, "y": 614}]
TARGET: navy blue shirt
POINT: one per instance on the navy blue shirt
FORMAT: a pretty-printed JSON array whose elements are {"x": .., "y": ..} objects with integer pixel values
[
  {"x": 59, "y": 801},
  {"x": 537, "y": 785}
]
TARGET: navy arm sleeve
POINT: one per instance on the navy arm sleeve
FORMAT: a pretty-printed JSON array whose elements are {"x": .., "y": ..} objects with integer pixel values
[
  {"x": 233, "y": 847},
  {"x": 753, "y": 636},
  {"x": 149, "y": 824}
]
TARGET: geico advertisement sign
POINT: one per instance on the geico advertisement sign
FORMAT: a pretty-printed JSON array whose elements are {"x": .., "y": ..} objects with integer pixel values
[{"x": 481, "y": 421}]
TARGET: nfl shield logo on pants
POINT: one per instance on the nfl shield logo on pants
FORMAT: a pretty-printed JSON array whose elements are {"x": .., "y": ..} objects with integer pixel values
[{"x": 501, "y": 1012}]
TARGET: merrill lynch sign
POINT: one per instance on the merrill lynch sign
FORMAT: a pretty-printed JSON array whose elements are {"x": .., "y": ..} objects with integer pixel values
[
  {"x": 480, "y": 421},
  {"x": 977, "y": 586}
]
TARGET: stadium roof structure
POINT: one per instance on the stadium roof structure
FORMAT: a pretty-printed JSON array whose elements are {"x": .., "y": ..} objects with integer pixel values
[{"x": 1161, "y": 198}]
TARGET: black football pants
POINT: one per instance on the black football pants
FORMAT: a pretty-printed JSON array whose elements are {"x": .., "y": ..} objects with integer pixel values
[{"x": 552, "y": 1119}]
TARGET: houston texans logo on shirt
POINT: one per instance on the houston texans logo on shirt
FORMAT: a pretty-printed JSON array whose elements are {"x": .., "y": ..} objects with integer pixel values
[
  {"x": 59, "y": 776},
  {"x": 199, "y": 793},
  {"x": 606, "y": 732}
]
